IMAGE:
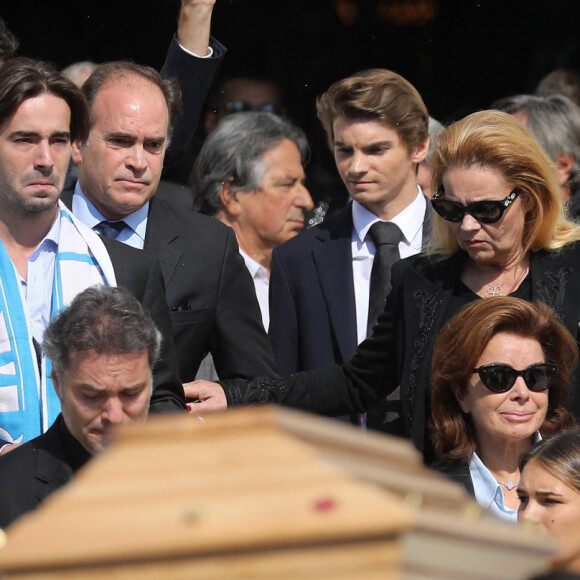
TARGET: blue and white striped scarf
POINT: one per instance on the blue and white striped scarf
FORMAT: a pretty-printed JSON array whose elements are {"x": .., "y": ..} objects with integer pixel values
[{"x": 28, "y": 402}]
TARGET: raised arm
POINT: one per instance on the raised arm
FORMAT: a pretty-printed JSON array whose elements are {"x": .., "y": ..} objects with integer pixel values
[
  {"x": 194, "y": 24},
  {"x": 187, "y": 61}
]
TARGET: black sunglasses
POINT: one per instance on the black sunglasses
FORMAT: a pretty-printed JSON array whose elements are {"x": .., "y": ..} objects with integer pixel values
[
  {"x": 500, "y": 378},
  {"x": 486, "y": 212}
]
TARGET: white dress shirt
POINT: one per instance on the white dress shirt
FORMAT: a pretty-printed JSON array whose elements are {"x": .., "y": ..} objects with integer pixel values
[
  {"x": 36, "y": 290},
  {"x": 261, "y": 284},
  {"x": 488, "y": 492}
]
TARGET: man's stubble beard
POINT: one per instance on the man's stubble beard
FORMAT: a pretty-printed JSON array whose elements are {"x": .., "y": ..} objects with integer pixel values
[{"x": 22, "y": 208}]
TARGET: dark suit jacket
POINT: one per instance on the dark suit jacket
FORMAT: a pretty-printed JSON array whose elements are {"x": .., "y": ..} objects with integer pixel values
[
  {"x": 32, "y": 472},
  {"x": 312, "y": 300},
  {"x": 312, "y": 303},
  {"x": 208, "y": 288},
  {"x": 195, "y": 77},
  {"x": 140, "y": 274},
  {"x": 210, "y": 292},
  {"x": 400, "y": 350}
]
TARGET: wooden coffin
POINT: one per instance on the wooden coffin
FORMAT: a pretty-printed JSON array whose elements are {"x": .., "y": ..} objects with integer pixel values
[{"x": 263, "y": 493}]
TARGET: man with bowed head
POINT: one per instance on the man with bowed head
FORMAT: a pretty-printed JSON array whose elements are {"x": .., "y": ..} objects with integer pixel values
[{"x": 103, "y": 349}]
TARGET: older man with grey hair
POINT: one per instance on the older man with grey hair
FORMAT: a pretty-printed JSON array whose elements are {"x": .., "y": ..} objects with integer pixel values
[
  {"x": 250, "y": 176},
  {"x": 102, "y": 348},
  {"x": 554, "y": 120}
]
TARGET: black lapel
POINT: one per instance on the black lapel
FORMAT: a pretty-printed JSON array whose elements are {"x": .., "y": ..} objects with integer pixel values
[
  {"x": 161, "y": 234},
  {"x": 428, "y": 288},
  {"x": 333, "y": 259},
  {"x": 553, "y": 282},
  {"x": 52, "y": 470}
]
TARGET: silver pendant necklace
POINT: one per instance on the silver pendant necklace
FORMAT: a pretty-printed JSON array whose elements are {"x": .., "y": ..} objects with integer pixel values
[
  {"x": 494, "y": 290},
  {"x": 509, "y": 484},
  {"x": 497, "y": 289}
]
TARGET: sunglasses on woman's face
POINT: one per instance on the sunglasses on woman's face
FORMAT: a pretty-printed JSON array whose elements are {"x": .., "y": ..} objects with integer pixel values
[
  {"x": 499, "y": 378},
  {"x": 486, "y": 212}
]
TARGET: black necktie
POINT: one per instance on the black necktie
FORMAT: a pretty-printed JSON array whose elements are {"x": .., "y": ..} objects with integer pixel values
[
  {"x": 110, "y": 229},
  {"x": 385, "y": 415},
  {"x": 386, "y": 237}
]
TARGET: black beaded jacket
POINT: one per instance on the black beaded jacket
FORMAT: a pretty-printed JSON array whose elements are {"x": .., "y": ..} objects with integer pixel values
[{"x": 400, "y": 349}]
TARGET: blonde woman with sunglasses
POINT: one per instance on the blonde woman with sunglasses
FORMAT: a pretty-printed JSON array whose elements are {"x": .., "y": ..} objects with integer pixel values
[{"x": 498, "y": 230}]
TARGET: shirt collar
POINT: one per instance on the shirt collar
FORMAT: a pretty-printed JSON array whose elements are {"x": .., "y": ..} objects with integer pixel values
[
  {"x": 54, "y": 232},
  {"x": 255, "y": 268},
  {"x": 410, "y": 220},
  {"x": 50, "y": 241},
  {"x": 485, "y": 486},
  {"x": 87, "y": 212}
]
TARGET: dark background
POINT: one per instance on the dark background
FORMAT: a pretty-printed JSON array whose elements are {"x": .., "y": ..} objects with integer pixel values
[{"x": 460, "y": 54}]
